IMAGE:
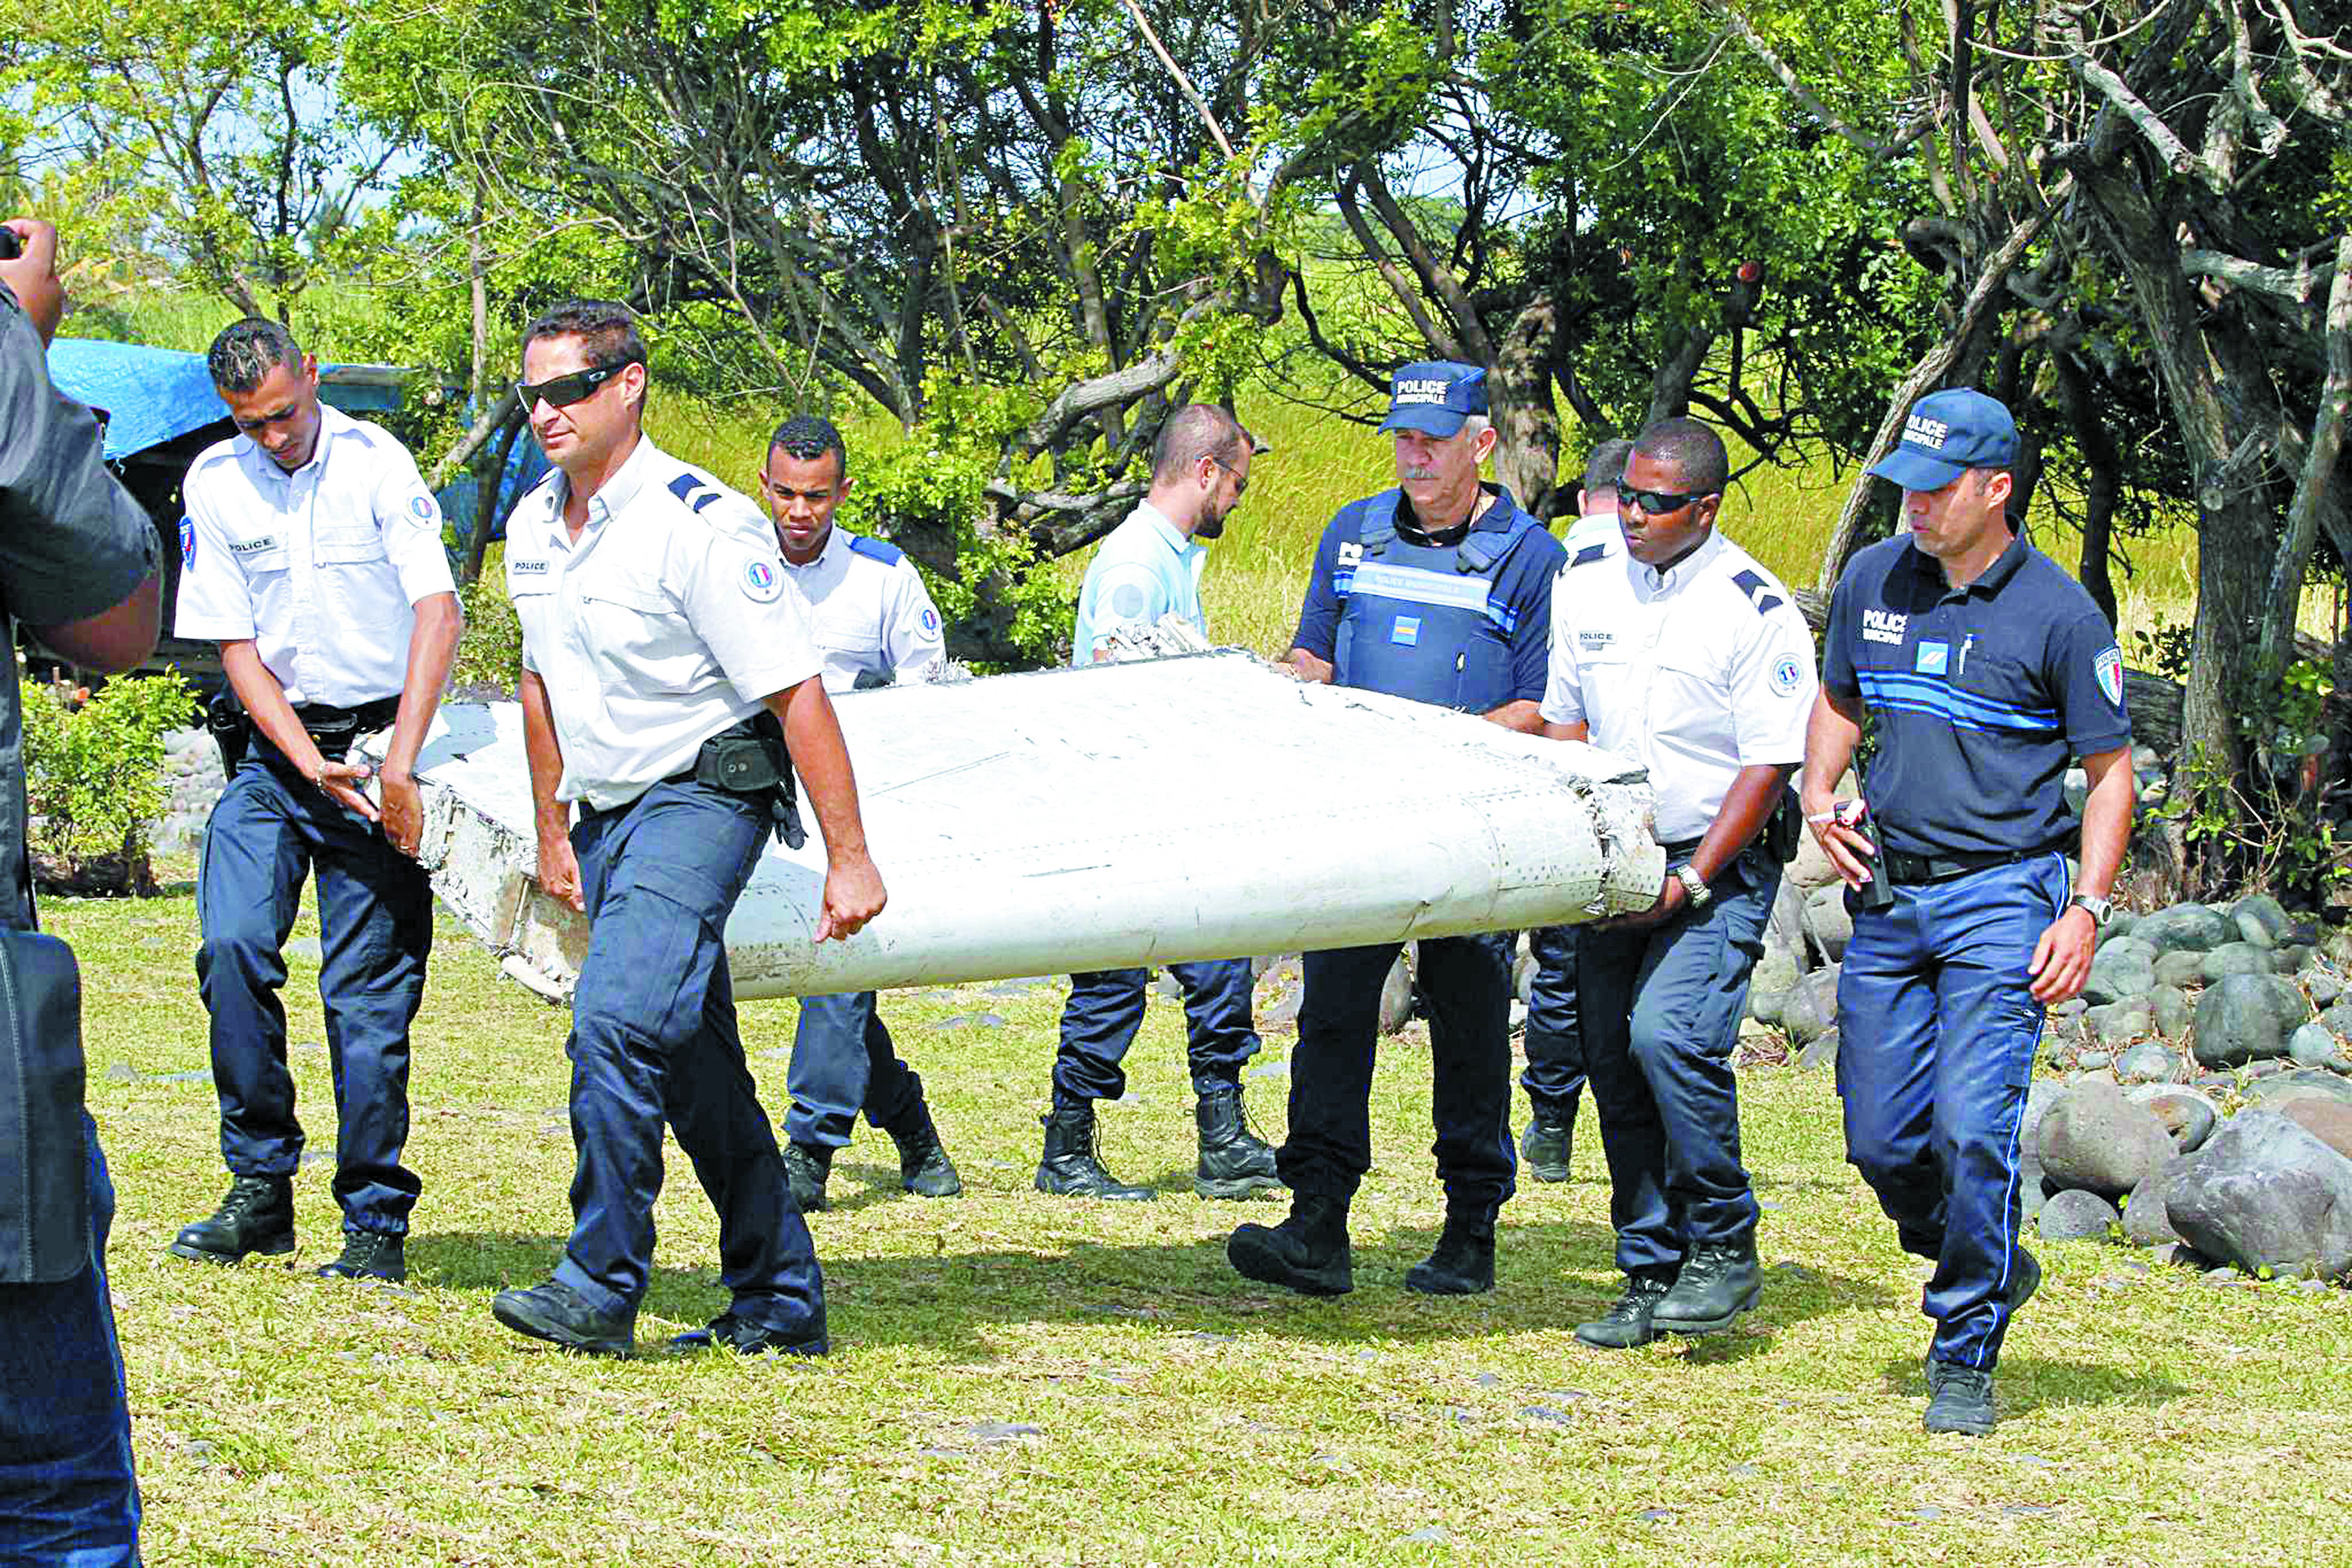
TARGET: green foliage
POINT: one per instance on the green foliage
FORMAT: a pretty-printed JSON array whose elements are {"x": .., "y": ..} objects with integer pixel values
[
  {"x": 93, "y": 764},
  {"x": 490, "y": 651}
]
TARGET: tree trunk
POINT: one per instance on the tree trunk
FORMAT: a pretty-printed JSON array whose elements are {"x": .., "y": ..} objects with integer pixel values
[{"x": 1527, "y": 424}]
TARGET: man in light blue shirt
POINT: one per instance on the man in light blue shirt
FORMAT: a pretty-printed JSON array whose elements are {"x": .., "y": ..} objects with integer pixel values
[{"x": 1149, "y": 568}]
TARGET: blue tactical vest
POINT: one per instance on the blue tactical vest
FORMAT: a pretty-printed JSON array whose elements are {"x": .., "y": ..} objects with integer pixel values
[{"x": 1422, "y": 621}]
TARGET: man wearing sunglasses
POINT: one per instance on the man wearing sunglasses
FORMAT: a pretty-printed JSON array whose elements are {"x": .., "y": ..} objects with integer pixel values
[
  {"x": 874, "y": 624},
  {"x": 311, "y": 553},
  {"x": 1149, "y": 567},
  {"x": 1985, "y": 669},
  {"x": 1440, "y": 591},
  {"x": 667, "y": 668},
  {"x": 1683, "y": 654}
]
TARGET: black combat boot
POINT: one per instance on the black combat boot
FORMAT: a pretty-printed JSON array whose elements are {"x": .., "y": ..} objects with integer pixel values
[
  {"x": 369, "y": 1255},
  {"x": 1463, "y": 1263},
  {"x": 1071, "y": 1167},
  {"x": 257, "y": 1216},
  {"x": 1234, "y": 1162},
  {"x": 924, "y": 1168},
  {"x": 807, "y": 1169},
  {"x": 1545, "y": 1146},
  {"x": 1717, "y": 1283},
  {"x": 1627, "y": 1322},
  {"x": 1307, "y": 1252}
]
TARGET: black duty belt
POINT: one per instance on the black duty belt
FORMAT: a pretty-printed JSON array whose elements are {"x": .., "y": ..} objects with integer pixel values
[
  {"x": 376, "y": 715},
  {"x": 1912, "y": 869},
  {"x": 1678, "y": 853}
]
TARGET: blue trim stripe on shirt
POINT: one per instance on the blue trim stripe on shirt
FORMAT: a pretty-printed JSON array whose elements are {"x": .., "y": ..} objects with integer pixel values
[{"x": 1962, "y": 709}]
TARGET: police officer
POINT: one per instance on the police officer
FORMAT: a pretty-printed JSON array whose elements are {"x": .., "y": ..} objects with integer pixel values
[
  {"x": 78, "y": 557},
  {"x": 1149, "y": 567},
  {"x": 660, "y": 642},
  {"x": 311, "y": 553},
  {"x": 1439, "y": 589},
  {"x": 1683, "y": 654},
  {"x": 1554, "y": 1077},
  {"x": 874, "y": 624},
  {"x": 1982, "y": 667}
]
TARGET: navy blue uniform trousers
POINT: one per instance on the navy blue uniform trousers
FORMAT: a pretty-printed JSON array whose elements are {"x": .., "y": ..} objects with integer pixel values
[
  {"x": 1661, "y": 1009},
  {"x": 67, "y": 1493},
  {"x": 270, "y": 829},
  {"x": 844, "y": 1062},
  {"x": 1465, "y": 983},
  {"x": 1555, "y": 1071},
  {"x": 1936, "y": 1043},
  {"x": 1106, "y": 1009},
  {"x": 654, "y": 1038}
]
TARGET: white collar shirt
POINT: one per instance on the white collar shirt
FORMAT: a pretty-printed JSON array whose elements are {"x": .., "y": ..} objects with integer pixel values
[
  {"x": 1145, "y": 568},
  {"x": 666, "y": 621},
  {"x": 320, "y": 569},
  {"x": 872, "y": 617},
  {"x": 1695, "y": 672}
]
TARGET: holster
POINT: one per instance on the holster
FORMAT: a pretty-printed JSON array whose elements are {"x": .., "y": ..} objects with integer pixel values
[
  {"x": 44, "y": 1154},
  {"x": 751, "y": 759},
  {"x": 232, "y": 729},
  {"x": 1784, "y": 830}
]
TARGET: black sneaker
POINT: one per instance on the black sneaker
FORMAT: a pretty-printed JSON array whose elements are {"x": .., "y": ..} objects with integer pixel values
[
  {"x": 257, "y": 1216},
  {"x": 1628, "y": 1322},
  {"x": 728, "y": 1331},
  {"x": 807, "y": 1169},
  {"x": 555, "y": 1313},
  {"x": 1544, "y": 1149},
  {"x": 368, "y": 1254},
  {"x": 1959, "y": 1399}
]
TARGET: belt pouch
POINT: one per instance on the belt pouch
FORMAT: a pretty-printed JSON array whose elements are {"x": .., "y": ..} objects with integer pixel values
[{"x": 44, "y": 1160}]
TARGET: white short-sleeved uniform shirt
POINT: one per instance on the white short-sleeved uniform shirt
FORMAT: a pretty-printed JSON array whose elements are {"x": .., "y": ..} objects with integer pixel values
[
  {"x": 1695, "y": 672},
  {"x": 665, "y": 622},
  {"x": 872, "y": 617},
  {"x": 1143, "y": 569},
  {"x": 322, "y": 568}
]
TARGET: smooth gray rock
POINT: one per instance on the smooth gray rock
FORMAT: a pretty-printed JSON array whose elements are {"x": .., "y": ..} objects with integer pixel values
[
  {"x": 2040, "y": 1096},
  {"x": 970, "y": 1020},
  {"x": 2187, "y": 1115},
  {"x": 1810, "y": 1009},
  {"x": 2133, "y": 1018},
  {"x": 2311, "y": 1045},
  {"x": 2033, "y": 1186},
  {"x": 2120, "y": 969},
  {"x": 1764, "y": 1006},
  {"x": 2315, "y": 1083},
  {"x": 2288, "y": 959},
  {"x": 1826, "y": 922},
  {"x": 2262, "y": 919},
  {"x": 2097, "y": 1140},
  {"x": 2169, "y": 1005},
  {"x": 1821, "y": 1053},
  {"x": 2338, "y": 1018},
  {"x": 2150, "y": 1061},
  {"x": 2180, "y": 969},
  {"x": 2329, "y": 1120},
  {"x": 2185, "y": 927},
  {"x": 2235, "y": 958},
  {"x": 2246, "y": 1019},
  {"x": 1396, "y": 997},
  {"x": 2119, "y": 924},
  {"x": 2078, "y": 1216},
  {"x": 2146, "y": 1222},
  {"x": 2322, "y": 984},
  {"x": 2266, "y": 1193}
]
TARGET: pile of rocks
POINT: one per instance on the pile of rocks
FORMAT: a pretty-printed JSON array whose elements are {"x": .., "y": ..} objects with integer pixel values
[{"x": 192, "y": 768}]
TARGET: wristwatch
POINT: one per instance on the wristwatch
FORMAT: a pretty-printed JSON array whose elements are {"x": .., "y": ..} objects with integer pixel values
[
  {"x": 2099, "y": 910},
  {"x": 1694, "y": 884}
]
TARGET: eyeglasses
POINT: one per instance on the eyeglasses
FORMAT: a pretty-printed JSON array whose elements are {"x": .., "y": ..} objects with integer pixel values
[
  {"x": 564, "y": 391},
  {"x": 1241, "y": 485},
  {"x": 1657, "y": 504}
]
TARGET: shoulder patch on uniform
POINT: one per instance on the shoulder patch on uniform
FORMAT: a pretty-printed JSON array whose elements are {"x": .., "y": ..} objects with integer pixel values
[
  {"x": 422, "y": 506},
  {"x": 880, "y": 549},
  {"x": 694, "y": 490},
  {"x": 1588, "y": 554},
  {"x": 1787, "y": 675},
  {"x": 2108, "y": 666},
  {"x": 762, "y": 580},
  {"x": 187, "y": 543},
  {"x": 1759, "y": 592}
]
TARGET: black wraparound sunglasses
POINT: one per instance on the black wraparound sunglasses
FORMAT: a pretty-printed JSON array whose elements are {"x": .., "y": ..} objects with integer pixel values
[
  {"x": 1657, "y": 504},
  {"x": 564, "y": 391}
]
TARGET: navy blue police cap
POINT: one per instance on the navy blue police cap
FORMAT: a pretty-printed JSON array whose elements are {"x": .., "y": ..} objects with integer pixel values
[
  {"x": 1434, "y": 396},
  {"x": 1948, "y": 432}
]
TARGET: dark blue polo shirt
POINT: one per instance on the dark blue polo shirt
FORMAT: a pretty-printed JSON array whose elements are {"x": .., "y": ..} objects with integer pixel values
[
  {"x": 1520, "y": 634},
  {"x": 1980, "y": 696}
]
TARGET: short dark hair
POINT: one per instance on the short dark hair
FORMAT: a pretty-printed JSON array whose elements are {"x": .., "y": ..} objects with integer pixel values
[
  {"x": 607, "y": 330},
  {"x": 809, "y": 436},
  {"x": 1195, "y": 431},
  {"x": 1606, "y": 466},
  {"x": 246, "y": 350},
  {"x": 1693, "y": 449}
]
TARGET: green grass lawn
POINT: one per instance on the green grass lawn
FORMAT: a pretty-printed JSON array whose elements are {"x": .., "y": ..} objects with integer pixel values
[{"x": 1021, "y": 1379}]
